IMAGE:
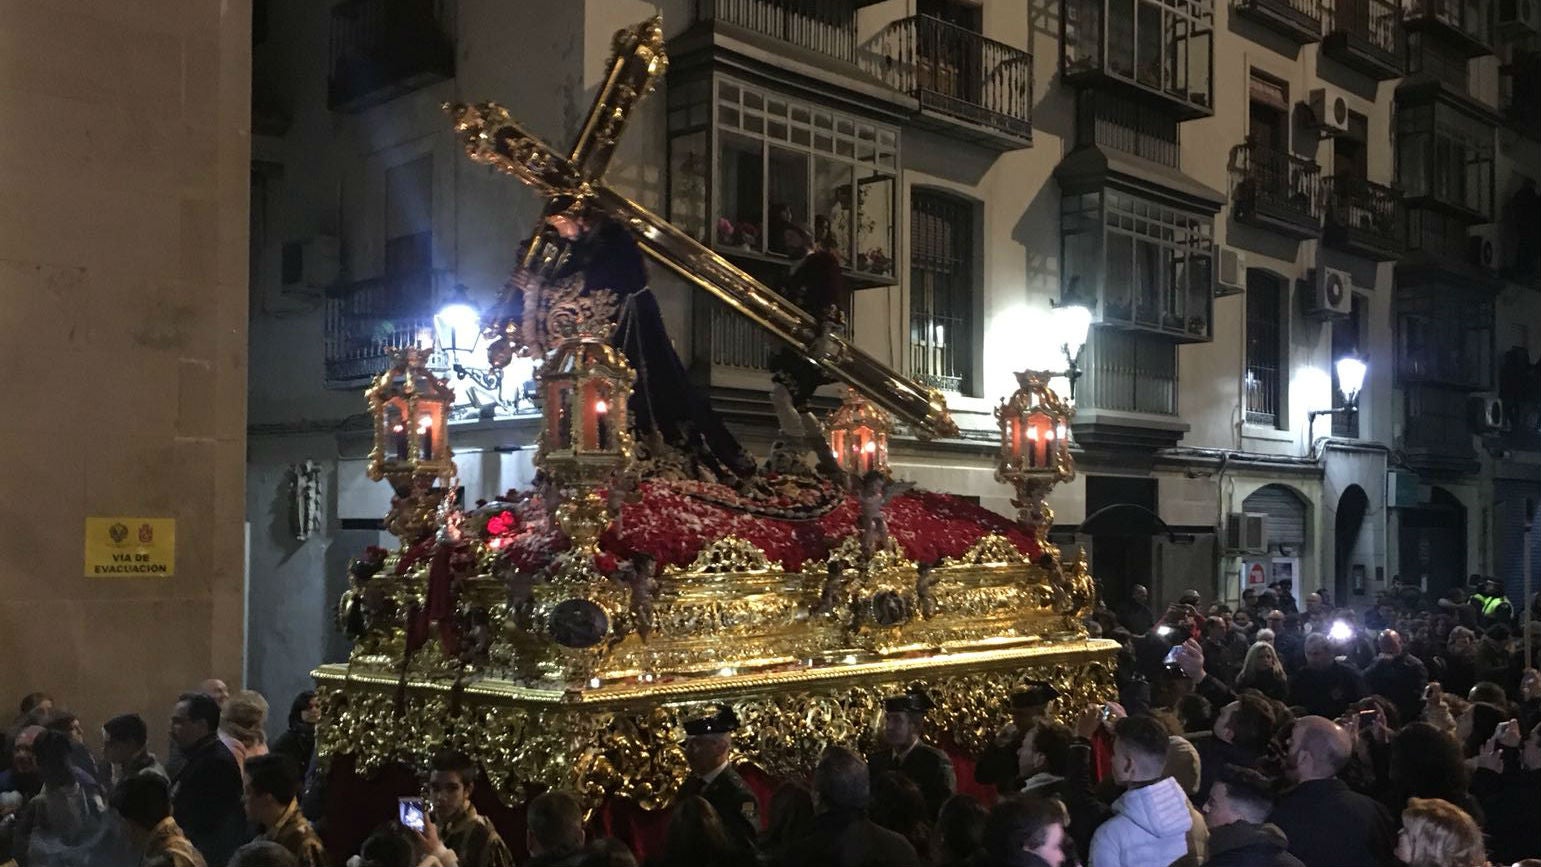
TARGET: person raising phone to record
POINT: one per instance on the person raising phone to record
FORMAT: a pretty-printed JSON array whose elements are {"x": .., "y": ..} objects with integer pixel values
[{"x": 464, "y": 831}]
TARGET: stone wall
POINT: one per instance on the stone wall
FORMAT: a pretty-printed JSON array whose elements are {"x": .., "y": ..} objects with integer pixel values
[{"x": 123, "y": 306}]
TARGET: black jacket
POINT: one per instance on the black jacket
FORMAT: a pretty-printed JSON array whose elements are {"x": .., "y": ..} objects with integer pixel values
[
  {"x": 1135, "y": 617},
  {"x": 1400, "y": 679},
  {"x": 735, "y": 804},
  {"x": 928, "y": 766},
  {"x": 1215, "y": 754},
  {"x": 1330, "y": 825},
  {"x": 1511, "y": 802},
  {"x": 1326, "y": 692},
  {"x": 997, "y": 766},
  {"x": 1243, "y": 844},
  {"x": 206, "y": 800},
  {"x": 847, "y": 838}
]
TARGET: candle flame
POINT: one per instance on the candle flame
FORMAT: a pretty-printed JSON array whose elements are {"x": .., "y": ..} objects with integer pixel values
[{"x": 601, "y": 406}]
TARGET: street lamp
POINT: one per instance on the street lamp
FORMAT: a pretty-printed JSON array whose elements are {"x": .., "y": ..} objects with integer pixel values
[
  {"x": 1351, "y": 370},
  {"x": 457, "y": 327},
  {"x": 1069, "y": 325}
]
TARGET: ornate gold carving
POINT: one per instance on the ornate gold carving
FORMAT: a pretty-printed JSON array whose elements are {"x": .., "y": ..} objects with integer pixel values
[{"x": 622, "y": 745}]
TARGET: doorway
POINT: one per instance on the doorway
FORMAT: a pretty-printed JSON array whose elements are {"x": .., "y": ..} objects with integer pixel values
[
  {"x": 1432, "y": 544},
  {"x": 1347, "y": 526}
]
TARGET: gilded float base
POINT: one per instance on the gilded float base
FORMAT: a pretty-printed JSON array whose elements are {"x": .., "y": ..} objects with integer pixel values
[{"x": 624, "y": 739}]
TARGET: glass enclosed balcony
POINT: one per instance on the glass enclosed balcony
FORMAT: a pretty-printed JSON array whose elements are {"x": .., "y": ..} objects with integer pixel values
[
  {"x": 1162, "y": 51},
  {"x": 1445, "y": 159},
  {"x": 1138, "y": 264}
]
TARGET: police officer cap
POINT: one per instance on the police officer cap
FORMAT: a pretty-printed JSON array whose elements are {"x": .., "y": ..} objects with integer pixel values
[
  {"x": 719, "y": 723},
  {"x": 914, "y": 700},
  {"x": 1037, "y": 694}
]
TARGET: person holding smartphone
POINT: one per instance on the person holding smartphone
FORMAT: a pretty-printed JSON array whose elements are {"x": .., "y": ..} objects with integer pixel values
[
  {"x": 1507, "y": 785},
  {"x": 464, "y": 831}
]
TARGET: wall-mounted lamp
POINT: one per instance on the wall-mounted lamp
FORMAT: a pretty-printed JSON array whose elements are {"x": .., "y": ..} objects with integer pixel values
[{"x": 1351, "y": 370}]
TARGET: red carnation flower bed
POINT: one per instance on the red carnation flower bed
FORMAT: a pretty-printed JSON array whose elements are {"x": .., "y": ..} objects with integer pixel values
[{"x": 670, "y": 524}]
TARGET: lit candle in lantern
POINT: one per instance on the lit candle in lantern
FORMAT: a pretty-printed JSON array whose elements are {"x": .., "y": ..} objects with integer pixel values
[
  {"x": 602, "y": 424},
  {"x": 399, "y": 435},
  {"x": 868, "y": 454},
  {"x": 1032, "y": 445},
  {"x": 425, "y": 438}
]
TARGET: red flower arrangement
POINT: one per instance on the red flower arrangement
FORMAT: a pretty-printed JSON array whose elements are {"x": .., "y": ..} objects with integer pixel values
[
  {"x": 501, "y": 523},
  {"x": 671, "y": 522}
]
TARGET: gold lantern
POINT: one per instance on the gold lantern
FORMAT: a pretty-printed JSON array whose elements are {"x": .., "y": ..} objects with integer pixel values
[
  {"x": 585, "y": 444},
  {"x": 1035, "y": 447},
  {"x": 586, "y": 432},
  {"x": 858, "y": 435},
  {"x": 410, "y": 407}
]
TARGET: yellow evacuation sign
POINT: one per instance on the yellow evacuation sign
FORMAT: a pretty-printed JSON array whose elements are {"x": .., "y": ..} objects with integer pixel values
[{"x": 131, "y": 547}]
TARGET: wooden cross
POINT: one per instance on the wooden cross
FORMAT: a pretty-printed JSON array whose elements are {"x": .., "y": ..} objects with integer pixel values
[{"x": 491, "y": 136}]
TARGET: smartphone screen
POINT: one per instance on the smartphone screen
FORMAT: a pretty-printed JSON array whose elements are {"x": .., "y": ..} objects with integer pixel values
[{"x": 411, "y": 812}]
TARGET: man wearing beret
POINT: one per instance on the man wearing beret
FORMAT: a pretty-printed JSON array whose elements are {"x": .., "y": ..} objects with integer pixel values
[
  {"x": 708, "y": 751},
  {"x": 997, "y": 765},
  {"x": 929, "y": 768}
]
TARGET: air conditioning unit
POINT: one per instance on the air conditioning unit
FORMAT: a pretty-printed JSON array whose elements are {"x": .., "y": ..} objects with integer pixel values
[
  {"x": 312, "y": 263},
  {"x": 1484, "y": 246},
  {"x": 1233, "y": 272},
  {"x": 1329, "y": 109},
  {"x": 1517, "y": 17},
  {"x": 1488, "y": 414},
  {"x": 1330, "y": 293},
  {"x": 1246, "y": 532}
]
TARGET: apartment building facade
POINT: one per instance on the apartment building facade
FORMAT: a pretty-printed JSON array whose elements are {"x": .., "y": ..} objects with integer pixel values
[{"x": 1242, "y": 193}]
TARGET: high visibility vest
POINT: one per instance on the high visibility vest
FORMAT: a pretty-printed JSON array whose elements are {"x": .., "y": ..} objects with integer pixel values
[{"x": 1491, "y": 604}]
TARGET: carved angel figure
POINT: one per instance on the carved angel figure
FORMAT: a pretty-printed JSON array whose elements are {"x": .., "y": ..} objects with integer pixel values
[{"x": 875, "y": 492}]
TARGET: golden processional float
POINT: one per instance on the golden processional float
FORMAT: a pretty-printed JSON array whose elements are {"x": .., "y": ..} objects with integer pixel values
[{"x": 560, "y": 636}]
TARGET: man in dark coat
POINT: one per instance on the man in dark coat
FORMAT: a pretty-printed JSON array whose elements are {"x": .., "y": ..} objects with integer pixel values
[
  {"x": 997, "y": 765},
  {"x": 842, "y": 835},
  {"x": 1236, "y": 812},
  {"x": 709, "y": 751},
  {"x": 1134, "y": 613},
  {"x": 1025, "y": 831},
  {"x": 929, "y": 768},
  {"x": 206, "y": 794},
  {"x": 1327, "y": 823},
  {"x": 1397, "y": 675},
  {"x": 1325, "y": 687}
]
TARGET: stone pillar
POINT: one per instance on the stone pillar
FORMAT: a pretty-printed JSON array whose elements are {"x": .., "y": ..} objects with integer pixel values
[{"x": 124, "y": 181}]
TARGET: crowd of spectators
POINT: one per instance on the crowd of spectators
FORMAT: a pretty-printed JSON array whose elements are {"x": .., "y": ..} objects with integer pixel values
[{"x": 1261, "y": 735}]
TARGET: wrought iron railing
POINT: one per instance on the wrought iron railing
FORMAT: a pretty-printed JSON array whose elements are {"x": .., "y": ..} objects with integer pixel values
[
  {"x": 1363, "y": 207},
  {"x": 1305, "y": 14},
  {"x": 938, "y": 350},
  {"x": 1472, "y": 17},
  {"x": 956, "y": 71},
  {"x": 1262, "y": 385},
  {"x": 368, "y": 320},
  {"x": 380, "y": 48},
  {"x": 737, "y": 342},
  {"x": 1130, "y": 372},
  {"x": 1373, "y": 22},
  {"x": 1276, "y": 181},
  {"x": 825, "y": 26}
]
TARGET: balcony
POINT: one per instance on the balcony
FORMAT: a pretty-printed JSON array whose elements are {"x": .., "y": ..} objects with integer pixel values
[
  {"x": 381, "y": 49},
  {"x": 1300, "y": 21},
  {"x": 1277, "y": 191},
  {"x": 962, "y": 80},
  {"x": 1465, "y": 26},
  {"x": 1519, "y": 86},
  {"x": 1363, "y": 218},
  {"x": 1366, "y": 36},
  {"x": 826, "y": 28},
  {"x": 1437, "y": 432},
  {"x": 936, "y": 75},
  {"x": 366, "y": 321},
  {"x": 1159, "y": 53}
]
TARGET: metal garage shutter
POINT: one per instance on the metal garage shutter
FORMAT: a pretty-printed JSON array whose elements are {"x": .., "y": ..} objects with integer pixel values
[
  {"x": 1509, "y": 521},
  {"x": 1286, "y": 513}
]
